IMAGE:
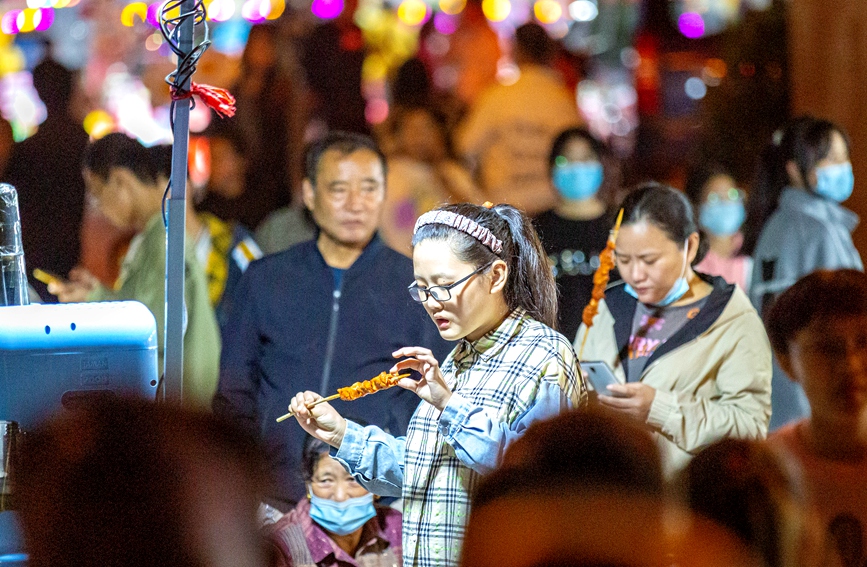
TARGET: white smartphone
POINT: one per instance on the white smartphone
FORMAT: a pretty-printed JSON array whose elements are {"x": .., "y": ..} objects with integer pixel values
[{"x": 600, "y": 375}]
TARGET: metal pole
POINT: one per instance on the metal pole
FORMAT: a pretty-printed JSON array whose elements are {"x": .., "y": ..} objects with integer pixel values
[{"x": 173, "y": 391}]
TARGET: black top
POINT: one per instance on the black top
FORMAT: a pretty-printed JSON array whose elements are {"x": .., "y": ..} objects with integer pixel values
[{"x": 573, "y": 248}]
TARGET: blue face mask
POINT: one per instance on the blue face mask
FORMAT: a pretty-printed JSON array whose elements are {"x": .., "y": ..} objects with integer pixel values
[
  {"x": 342, "y": 518},
  {"x": 835, "y": 182},
  {"x": 722, "y": 218},
  {"x": 678, "y": 290},
  {"x": 578, "y": 180}
]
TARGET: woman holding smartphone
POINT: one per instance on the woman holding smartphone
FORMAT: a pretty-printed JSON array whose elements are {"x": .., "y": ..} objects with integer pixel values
[{"x": 689, "y": 352}]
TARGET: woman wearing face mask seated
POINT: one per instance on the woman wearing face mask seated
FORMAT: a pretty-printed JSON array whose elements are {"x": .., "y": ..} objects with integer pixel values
[
  {"x": 719, "y": 205},
  {"x": 689, "y": 353},
  {"x": 338, "y": 523},
  {"x": 575, "y": 232}
]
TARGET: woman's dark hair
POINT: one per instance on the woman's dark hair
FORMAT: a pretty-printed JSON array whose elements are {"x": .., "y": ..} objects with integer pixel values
[
  {"x": 412, "y": 85},
  {"x": 667, "y": 209},
  {"x": 566, "y": 136},
  {"x": 119, "y": 150},
  {"x": 699, "y": 176},
  {"x": 805, "y": 141},
  {"x": 531, "y": 282},
  {"x": 311, "y": 451},
  {"x": 741, "y": 485},
  {"x": 824, "y": 294}
]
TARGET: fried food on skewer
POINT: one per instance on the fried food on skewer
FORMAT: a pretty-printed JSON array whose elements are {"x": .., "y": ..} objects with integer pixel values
[{"x": 382, "y": 381}]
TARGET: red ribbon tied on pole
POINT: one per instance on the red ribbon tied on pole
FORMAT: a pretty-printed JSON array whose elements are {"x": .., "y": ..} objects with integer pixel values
[{"x": 219, "y": 100}]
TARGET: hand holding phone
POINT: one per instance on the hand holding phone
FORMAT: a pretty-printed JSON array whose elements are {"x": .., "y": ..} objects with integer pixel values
[{"x": 600, "y": 376}]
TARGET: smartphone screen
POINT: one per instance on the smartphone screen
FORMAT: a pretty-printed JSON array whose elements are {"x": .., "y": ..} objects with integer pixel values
[{"x": 600, "y": 375}]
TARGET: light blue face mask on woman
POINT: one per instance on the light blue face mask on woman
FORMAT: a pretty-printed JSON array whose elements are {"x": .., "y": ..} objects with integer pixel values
[
  {"x": 578, "y": 180},
  {"x": 342, "y": 518},
  {"x": 722, "y": 218},
  {"x": 678, "y": 290},
  {"x": 835, "y": 182}
]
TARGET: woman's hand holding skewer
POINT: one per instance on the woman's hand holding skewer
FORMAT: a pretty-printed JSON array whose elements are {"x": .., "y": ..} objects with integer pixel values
[
  {"x": 432, "y": 386},
  {"x": 321, "y": 421}
]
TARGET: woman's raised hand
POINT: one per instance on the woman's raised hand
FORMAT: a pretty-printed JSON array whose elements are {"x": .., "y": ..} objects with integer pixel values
[
  {"x": 432, "y": 386},
  {"x": 321, "y": 421}
]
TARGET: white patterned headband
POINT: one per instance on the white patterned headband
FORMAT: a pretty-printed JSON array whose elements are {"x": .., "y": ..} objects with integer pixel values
[{"x": 464, "y": 224}]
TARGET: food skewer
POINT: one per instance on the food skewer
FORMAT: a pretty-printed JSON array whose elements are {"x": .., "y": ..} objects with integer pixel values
[
  {"x": 382, "y": 381},
  {"x": 600, "y": 282}
]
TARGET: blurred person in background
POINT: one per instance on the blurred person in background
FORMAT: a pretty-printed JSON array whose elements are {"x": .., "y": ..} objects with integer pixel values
[
  {"x": 721, "y": 214},
  {"x": 46, "y": 170},
  {"x": 126, "y": 182},
  {"x": 271, "y": 116},
  {"x": 743, "y": 487},
  {"x": 508, "y": 130},
  {"x": 688, "y": 351},
  {"x": 338, "y": 523},
  {"x": 122, "y": 483},
  {"x": 422, "y": 174},
  {"x": 576, "y": 230},
  {"x": 472, "y": 57},
  {"x": 333, "y": 57},
  {"x": 809, "y": 229},
  {"x": 818, "y": 328},
  {"x": 229, "y": 181},
  {"x": 224, "y": 249}
]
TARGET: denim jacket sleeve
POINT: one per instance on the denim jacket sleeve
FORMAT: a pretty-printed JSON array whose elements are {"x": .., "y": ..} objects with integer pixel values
[
  {"x": 480, "y": 440},
  {"x": 374, "y": 458}
]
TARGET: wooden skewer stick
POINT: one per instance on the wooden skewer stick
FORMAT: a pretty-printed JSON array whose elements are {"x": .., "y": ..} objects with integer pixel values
[
  {"x": 323, "y": 400},
  {"x": 612, "y": 237},
  {"x": 316, "y": 403}
]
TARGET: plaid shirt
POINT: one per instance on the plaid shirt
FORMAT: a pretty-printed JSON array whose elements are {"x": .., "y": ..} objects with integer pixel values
[{"x": 520, "y": 373}]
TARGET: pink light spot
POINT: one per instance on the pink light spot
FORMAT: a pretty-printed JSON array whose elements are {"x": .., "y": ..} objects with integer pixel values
[
  {"x": 326, "y": 9},
  {"x": 446, "y": 24},
  {"x": 47, "y": 19},
  {"x": 691, "y": 25},
  {"x": 153, "y": 15},
  {"x": 9, "y": 23}
]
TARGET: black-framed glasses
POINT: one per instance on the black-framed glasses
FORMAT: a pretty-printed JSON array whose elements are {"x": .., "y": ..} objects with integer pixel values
[{"x": 440, "y": 292}]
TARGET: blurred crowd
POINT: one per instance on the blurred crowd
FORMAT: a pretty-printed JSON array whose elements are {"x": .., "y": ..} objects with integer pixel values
[{"x": 733, "y": 430}]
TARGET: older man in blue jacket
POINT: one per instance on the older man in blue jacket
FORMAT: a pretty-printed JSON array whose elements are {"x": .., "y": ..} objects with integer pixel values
[{"x": 324, "y": 313}]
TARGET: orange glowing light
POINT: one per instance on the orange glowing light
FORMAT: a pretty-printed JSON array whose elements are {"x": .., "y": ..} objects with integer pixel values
[
  {"x": 452, "y": 7},
  {"x": 496, "y": 10},
  {"x": 412, "y": 12},
  {"x": 547, "y": 11}
]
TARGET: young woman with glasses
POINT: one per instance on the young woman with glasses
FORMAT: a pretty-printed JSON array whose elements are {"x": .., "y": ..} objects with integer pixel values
[{"x": 483, "y": 278}]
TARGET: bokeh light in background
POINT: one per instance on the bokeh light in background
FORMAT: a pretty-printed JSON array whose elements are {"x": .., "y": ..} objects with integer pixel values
[
  {"x": 326, "y": 9},
  {"x": 547, "y": 11},
  {"x": 691, "y": 25},
  {"x": 412, "y": 12},
  {"x": 20, "y": 104},
  {"x": 583, "y": 10},
  {"x": 390, "y": 29},
  {"x": 496, "y": 10}
]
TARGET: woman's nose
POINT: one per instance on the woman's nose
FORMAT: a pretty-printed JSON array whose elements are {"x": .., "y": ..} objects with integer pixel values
[{"x": 339, "y": 494}]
